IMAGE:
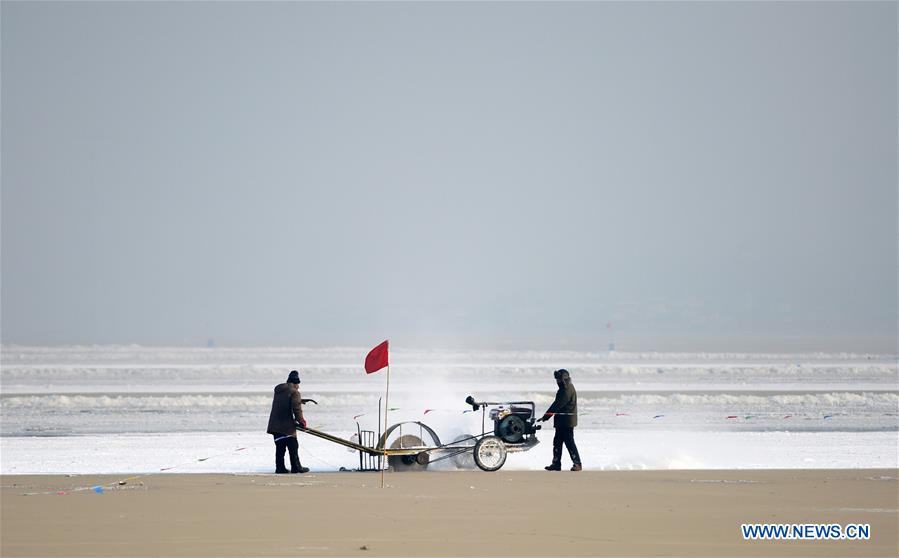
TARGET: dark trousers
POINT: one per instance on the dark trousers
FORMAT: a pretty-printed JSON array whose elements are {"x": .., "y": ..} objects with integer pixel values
[
  {"x": 565, "y": 434},
  {"x": 283, "y": 442}
]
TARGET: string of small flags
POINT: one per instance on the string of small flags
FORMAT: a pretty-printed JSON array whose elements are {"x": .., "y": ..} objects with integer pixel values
[{"x": 750, "y": 416}]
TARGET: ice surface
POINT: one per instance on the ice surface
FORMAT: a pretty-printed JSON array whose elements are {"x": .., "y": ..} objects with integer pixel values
[
  {"x": 137, "y": 409},
  {"x": 611, "y": 450}
]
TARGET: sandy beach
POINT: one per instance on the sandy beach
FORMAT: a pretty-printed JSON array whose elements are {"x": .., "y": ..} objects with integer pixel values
[{"x": 641, "y": 513}]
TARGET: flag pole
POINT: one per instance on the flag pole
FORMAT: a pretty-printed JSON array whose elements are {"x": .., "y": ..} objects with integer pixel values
[{"x": 386, "y": 407}]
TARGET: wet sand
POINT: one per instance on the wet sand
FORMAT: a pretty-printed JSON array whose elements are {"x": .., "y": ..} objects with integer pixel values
[{"x": 640, "y": 513}]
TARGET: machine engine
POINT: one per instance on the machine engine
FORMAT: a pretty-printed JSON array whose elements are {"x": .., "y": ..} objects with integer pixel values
[{"x": 512, "y": 424}]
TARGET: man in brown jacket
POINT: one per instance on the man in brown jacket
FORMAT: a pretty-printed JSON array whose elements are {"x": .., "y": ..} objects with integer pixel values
[{"x": 287, "y": 411}]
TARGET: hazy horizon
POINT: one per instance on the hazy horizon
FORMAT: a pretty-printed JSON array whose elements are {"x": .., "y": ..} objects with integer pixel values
[
  {"x": 743, "y": 344},
  {"x": 701, "y": 176}
]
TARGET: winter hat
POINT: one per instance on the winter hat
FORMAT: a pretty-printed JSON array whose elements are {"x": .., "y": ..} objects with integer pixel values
[{"x": 294, "y": 377}]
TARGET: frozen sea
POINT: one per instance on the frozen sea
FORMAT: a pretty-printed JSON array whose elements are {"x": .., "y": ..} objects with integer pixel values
[{"x": 133, "y": 410}]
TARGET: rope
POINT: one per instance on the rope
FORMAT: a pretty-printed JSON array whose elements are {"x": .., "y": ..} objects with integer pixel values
[{"x": 101, "y": 488}]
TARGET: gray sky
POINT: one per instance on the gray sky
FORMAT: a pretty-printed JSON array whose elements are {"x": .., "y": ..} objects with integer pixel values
[{"x": 705, "y": 176}]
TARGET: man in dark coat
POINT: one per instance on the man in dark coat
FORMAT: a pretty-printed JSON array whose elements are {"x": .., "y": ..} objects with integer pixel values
[
  {"x": 287, "y": 411},
  {"x": 564, "y": 413}
]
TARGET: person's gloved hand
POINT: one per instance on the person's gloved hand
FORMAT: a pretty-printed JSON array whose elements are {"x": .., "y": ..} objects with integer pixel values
[
  {"x": 545, "y": 417},
  {"x": 302, "y": 423}
]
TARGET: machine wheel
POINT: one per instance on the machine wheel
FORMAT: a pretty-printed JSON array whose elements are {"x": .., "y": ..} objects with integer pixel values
[
  {"x": 464, "y": 460},
  {"x": 407, "y": 462},
  {"x": 490, "y": 453}
]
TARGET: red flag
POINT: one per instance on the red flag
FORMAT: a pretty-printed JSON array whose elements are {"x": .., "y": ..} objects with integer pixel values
[{"x": 377, "y": 358}]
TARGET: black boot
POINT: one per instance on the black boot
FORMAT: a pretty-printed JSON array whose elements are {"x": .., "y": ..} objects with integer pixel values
[
  {"x": 554, "y": 467},
  {"x": 295, "y": 465},
  {"x": 280, "y": 449}
]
